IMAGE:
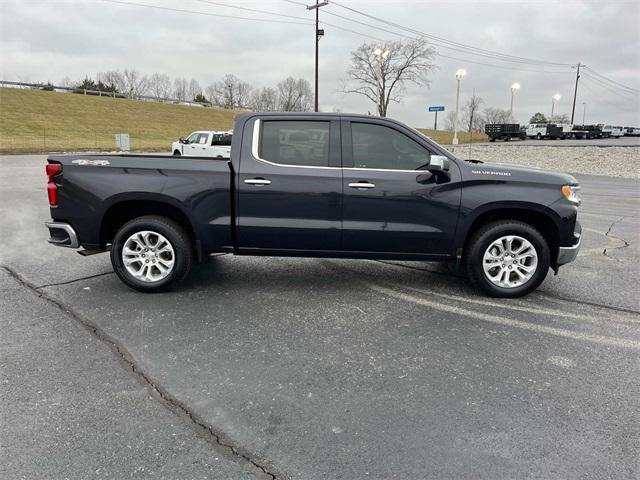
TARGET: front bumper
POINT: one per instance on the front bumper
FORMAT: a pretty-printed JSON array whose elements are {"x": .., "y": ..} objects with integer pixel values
[
  {"x": 61, "y": 234},
  {"x": 569, "y": 254}
]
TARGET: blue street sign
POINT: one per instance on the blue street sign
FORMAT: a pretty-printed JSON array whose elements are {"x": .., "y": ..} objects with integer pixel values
[{"x": 437, "y": 108}]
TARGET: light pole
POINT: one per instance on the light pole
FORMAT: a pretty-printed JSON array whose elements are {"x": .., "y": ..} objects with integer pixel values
[
  {"x": 554, "y": 99},
  {"x": 584, "y": 111},
  {"x": 460, "y": 73},
  {"x": 514, "y": 88},
  {"x": 380, "y": 56}
]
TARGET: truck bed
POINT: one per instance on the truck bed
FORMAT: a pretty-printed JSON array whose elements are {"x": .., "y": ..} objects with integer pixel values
[{"x": 93, "y": 188}]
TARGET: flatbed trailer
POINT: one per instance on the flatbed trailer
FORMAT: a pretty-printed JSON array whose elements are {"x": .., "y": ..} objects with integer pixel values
[{"x": 504, "y": 131}]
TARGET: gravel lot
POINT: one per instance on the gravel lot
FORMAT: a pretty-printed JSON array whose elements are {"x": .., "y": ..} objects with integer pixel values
[{"x": 608, "y": 161}]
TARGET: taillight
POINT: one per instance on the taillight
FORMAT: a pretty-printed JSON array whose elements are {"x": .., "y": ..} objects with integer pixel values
[{"x": 52, "y": 170}]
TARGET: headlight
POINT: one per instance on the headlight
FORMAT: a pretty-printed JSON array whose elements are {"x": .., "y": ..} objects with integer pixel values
[{"x": 572, "y": 193}]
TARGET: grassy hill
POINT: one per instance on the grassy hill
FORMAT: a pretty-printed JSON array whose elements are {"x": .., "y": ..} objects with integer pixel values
[
  {"x": 40, "y": 121},
  {"x": 445, "y": 138}
]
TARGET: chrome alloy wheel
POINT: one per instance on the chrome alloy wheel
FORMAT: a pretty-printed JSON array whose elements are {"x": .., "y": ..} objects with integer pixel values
[
  {"x": 148, "y": 256},
  {"x": 510, "y": 261}
]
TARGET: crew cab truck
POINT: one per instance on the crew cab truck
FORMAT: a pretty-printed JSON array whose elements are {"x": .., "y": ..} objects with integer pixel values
[
  {"x": 204, "y": 144},
  {"x": 316, "y": 185}
]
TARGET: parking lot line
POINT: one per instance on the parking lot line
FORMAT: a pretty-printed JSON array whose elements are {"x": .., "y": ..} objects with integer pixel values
[{"x": 560, "y": 332}]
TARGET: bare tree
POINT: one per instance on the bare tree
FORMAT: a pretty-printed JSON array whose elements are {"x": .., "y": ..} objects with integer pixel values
[
  {"x": 135, "y": 84},
  {"x": 114, "y": 79},
  {"x": 180, "y": 88},
  {"x": 160, "y": 86},
  {"x": 194, "y": 89},
  {"x": 294, "y": 95},
  {"x": 560, "y": 119},
  {"x": 496, "y": 115},
  {"x": 449, "y": 121},
  {"x": 67, "y": 82},
  {"x": 381, "y": 73},
  {"x": 230, "y": 92},
  {"x": 264, "y": 100},
  {"x": 471, "y": 118}
]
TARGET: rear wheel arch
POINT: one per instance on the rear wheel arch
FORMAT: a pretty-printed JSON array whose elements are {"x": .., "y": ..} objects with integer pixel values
[{"x": 124, "y": 211}]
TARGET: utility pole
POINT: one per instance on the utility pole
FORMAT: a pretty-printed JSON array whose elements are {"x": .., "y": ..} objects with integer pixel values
[
  {"x": 575, "y": 92},
  {"x": 319, "y": 35}
]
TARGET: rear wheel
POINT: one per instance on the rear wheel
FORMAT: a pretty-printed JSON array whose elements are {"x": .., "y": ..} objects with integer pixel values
[
  {"x": 507, "y": 259},
  {"x": 539, "y": 136},
  {"x": 151, "y": 253}
]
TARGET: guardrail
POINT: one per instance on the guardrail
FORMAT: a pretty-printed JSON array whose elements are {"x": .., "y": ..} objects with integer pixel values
[{"x": 101, "y": 93}]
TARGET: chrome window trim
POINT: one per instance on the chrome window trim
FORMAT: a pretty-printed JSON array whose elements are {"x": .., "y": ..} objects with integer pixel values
[
  {"x": 384, "y": 170},
  {"x": 255, "y": 143}
]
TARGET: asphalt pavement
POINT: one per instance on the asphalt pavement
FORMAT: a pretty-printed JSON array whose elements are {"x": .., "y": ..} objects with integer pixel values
[{"x": 308, "y": 368}]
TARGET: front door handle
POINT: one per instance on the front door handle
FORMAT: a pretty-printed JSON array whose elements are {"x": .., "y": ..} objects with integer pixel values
[
  {"x": 259, "y": 182},
  {"x": 362, "y": 185}
]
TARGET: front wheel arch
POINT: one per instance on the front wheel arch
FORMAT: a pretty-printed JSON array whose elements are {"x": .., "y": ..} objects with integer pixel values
[{"x": 541, "y": 221}]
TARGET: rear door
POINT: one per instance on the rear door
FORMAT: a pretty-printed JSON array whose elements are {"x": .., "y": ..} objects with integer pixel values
[
  {"x": 391, "y": 205},
  {"x": 290, "y": 184}
]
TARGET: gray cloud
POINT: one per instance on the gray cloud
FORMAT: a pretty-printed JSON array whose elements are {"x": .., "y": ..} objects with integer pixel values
[{"x": 48, "y": 40}]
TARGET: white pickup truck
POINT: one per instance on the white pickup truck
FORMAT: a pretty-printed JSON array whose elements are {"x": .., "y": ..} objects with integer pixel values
[{"x": 204, "y": 143}]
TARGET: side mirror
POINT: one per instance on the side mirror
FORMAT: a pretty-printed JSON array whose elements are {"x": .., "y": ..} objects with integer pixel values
[
  {"x": 182, "y": 140},
  {"x": 438, "y": 163}
]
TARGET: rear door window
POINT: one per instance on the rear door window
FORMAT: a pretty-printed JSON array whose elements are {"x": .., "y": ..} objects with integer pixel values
[{"x": 293, "y": 142}]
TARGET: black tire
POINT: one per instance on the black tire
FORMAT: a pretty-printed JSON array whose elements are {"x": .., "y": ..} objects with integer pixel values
[
  {"x": 492, "y": 139},
  {"x": 176, "y": 236},
  {"x": 539, "y": 136},
  {"x": 176, "y": 153},
  {"x": 485, "y": 236}
]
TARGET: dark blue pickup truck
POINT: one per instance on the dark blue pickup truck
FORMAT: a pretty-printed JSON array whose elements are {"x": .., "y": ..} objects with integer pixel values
[{"x": 316, "y": 185}]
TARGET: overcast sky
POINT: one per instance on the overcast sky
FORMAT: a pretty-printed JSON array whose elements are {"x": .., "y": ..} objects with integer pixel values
[{"x": 48, "y": 40}]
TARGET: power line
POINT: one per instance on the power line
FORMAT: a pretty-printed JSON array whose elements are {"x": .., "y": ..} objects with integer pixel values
[
  {"x": 158, "y": 7},
  {"x": 619, "y": 104},
  {"x": 404, "y": 35},
  {"x": 591, "y": 70},
  {"x": 247, "y": 9},
  {"x": 613, "y": 89},
  {"x": 504, "y": 67},
  {"x": 451, "y": 44}
]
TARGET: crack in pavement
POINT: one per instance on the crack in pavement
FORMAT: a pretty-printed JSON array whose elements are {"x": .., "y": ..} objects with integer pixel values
[
  {"x": 72, "y": 281},
  {"x": 166, "y": 399},
  {"x": 609, "y": 234}
]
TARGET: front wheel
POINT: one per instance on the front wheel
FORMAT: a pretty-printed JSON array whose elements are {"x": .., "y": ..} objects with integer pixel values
[
  {"x": 507, "y": 259},
  {"x": 151, "y": 253}
]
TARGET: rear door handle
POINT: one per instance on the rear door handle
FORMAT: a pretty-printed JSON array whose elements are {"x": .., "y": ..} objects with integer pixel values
[
  {"x": 362, "y": 185},
  {"x": 259, "y": 182}
]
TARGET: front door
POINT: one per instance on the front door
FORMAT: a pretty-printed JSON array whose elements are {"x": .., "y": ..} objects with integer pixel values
[
  {"x": 391, "y": 203},
  {"x": 290, "y": 185},
  {"x": 197, "y": 146}
]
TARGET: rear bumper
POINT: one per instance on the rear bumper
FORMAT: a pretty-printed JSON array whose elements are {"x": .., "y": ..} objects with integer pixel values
[
  {"x": 569, "y": 254},
  {"x": 61, "y": 234}
]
